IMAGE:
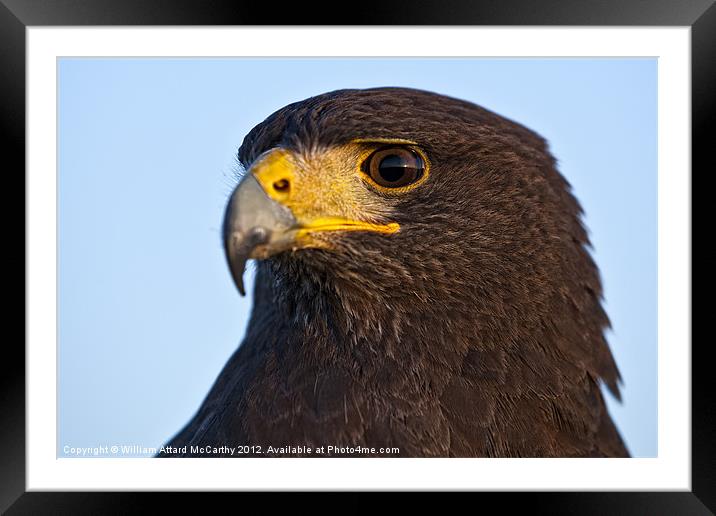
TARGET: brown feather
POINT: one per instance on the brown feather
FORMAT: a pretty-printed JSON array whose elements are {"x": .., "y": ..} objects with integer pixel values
[{"x": 477, "y": 330}]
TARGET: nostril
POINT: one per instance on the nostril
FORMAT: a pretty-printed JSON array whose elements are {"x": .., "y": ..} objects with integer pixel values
[{"x": 282, "y": 185}]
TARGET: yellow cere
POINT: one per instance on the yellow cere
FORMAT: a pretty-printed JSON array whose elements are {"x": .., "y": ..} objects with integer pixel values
[{"x": 324, "y": 191}]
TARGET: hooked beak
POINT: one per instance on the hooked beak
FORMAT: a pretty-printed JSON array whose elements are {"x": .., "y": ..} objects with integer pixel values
[
  {"x": 278, "y": 207},
  {"x": 253, "y": 222}
]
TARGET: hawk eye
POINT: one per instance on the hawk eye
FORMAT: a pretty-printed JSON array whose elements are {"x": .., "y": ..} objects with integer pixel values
[{"x": 394, "y": 167}]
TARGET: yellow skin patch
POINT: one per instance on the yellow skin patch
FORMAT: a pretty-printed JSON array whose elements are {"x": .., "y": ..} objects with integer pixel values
[{"x": 325, "y": 189}]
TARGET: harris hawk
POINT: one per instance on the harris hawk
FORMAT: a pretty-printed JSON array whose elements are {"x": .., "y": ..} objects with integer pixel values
[{"x": 423, "y": 283}]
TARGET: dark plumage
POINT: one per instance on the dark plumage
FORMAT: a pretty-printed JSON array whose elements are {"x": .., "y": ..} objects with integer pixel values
[{"x": 475, "y": 330}]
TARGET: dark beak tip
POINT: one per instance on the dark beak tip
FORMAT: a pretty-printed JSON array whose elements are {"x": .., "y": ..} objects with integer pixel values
[{"x": 238, "y": 249}]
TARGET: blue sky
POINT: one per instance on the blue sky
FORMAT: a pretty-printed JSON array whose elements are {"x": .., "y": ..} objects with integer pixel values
[{"x": 148, "y": 314}]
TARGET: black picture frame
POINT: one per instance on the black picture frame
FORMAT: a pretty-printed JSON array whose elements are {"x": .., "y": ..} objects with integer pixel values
[{"x": 700, "y": 15}]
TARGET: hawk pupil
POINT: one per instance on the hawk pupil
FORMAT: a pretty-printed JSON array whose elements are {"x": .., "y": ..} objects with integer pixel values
[{"x": 392, "y": 168}]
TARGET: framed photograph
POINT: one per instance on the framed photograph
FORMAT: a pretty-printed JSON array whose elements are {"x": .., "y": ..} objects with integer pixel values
[{"x": 445, "y": 250}]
